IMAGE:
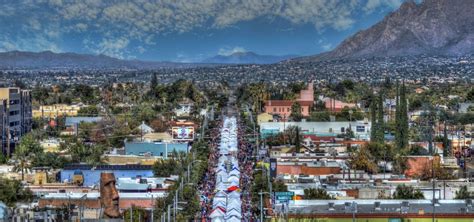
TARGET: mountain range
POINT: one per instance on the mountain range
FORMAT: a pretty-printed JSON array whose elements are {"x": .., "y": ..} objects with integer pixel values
[
  {"x": 246, "y": 58},
  {"x": 433, "y": 27},
  {"x": 51, "y": 60}
]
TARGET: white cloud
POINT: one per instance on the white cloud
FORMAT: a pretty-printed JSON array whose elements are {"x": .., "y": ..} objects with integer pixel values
[
  {"x": 141, "y": 49},
  {"x": 371, "y": 5},
  {"x": 230, "y": 51},
  {"x": 143, "y": 20},
  {"x": 114, "y": 47},
  {"x": 32, "y": 43},
  {"x": 326, "y": 47}
]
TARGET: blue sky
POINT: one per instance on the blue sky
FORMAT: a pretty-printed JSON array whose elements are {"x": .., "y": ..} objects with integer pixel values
[{"x": 184, "y": 30}]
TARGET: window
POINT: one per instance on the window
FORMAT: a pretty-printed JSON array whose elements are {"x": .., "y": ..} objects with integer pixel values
[
  {"x": 343, "y": 129},
  {"x": 360, "y": 129},
  {"x": 14, "y": 102},
  {"x": 16, "y": 112},
  {"x": 274, "y": 109},
  {"x": 161, "y": 153},
  {"x": 16, "y": 123},
  {"x": 288, "y": 109}
]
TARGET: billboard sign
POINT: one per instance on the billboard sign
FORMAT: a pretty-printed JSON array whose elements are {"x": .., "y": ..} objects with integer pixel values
[
  {"x": 273, "y": 167},
  {"x": 183, "y": 133}
]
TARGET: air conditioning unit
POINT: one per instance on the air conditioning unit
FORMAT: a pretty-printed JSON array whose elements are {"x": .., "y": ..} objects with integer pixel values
[
  {"x": 331, "y": 206},
  {"x": 377, "y": 205}
]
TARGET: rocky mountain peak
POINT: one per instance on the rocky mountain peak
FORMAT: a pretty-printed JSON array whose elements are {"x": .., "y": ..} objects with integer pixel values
[{"x": 433, "y": 27}]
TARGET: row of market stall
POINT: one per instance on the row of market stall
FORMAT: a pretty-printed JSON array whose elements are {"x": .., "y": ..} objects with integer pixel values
[{"x": 226, "y": 202}]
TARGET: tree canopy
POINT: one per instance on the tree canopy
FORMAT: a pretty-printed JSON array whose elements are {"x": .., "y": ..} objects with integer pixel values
[{"x": 407, "y": 192}]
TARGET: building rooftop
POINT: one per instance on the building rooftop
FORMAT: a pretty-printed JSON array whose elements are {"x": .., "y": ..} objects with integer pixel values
[
  {"x": 76, "y": 120},
  {"x": 377, "y": 206},
  {"x": 107, "y": 167},
  {"x": 96, "y": 195}
]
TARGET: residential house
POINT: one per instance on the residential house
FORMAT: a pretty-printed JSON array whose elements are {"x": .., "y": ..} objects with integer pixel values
[
  {"x": 145, "y": 129},
  {"x": 282, "y": 108},
  {"x": 184, "y": 108},
  {"x": 335, "y": 105},
  {"x": 264, "y": 117},
  {"x": 72, "y": 123},
  {"x": 56, "y": 110},
  {"x": 466, "y": 107},
  {"x": 161, "y": 149}
]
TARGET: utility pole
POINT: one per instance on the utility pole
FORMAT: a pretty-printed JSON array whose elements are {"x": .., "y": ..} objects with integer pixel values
[
  {"x": 175, "y": 205},
  {"x": 354, "y": 210},
  {"x": 261, "y": 206},
  {"x": 152, "y": 206},
  {"x": 433, "y": 179},
  {"x": 169, "y": 213}
]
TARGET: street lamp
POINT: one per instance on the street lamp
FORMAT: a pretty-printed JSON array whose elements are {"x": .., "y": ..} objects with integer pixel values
[
  {"x": 261, "y": 204},
  {"x": 433, "y": 181},
  {"x": 82, "y": 206},
  {"x": 354, "y": 210},
  {"x": 267, "y": 174}
]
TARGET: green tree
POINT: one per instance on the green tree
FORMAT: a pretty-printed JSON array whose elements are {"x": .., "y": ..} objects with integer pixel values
[
  {"x": 296, "y": 114},
  {"x": 25, "y": 152},
  {"x": 373, "y": 119},
  {"x": 293, "y": 134},
  {"x": 320, "y": 116},
  {"x": 470, "y": 95},
  {"x": 3, "y": 159},
  {"x": 189, "y": 195},
  {"x": 11, "y": 192},
  {"x": 171, "y": 166},
  {"x": 52, "y": 160},
  {"x": 363, "y": 160},
  {"x": 380, "y": 151},
  {"x": 297, "y": 140},
  {"x": 82, "y": 152},
  {"x": 153, "y": 82},
  {"x": 138, "y": 214},
  {"x": 91, "y": 110},
  {"x": 463, "y": 193},
  {"x": 279, "y": 186},
  {"x": 316, "y": 194},
  {"x": 400, "y": 162},
  {"x": 40, "y": 94},
  {"x": 407, "y": 193},
  {"x": 446, "y": 143},
  {"x": 380, "y": 119},
  {"x": 401, "y": 119}
]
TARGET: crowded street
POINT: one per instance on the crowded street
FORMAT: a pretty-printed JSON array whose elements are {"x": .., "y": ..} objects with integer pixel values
[{"x": 225, "y": 188}]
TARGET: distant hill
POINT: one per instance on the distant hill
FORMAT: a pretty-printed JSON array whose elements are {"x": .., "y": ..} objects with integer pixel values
[
  {"x": 51, "y": 60},
  {"x": 433, "y": 27},
  {"x": 246, "y": 58}
]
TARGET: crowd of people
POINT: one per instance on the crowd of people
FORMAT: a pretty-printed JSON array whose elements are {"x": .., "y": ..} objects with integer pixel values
[{"x": 225, "y": 189}]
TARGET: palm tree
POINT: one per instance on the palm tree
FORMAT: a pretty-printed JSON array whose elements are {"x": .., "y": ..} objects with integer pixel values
[
  {"x": 24, "y": 153},
  {"x": 22, "y": 163}
]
